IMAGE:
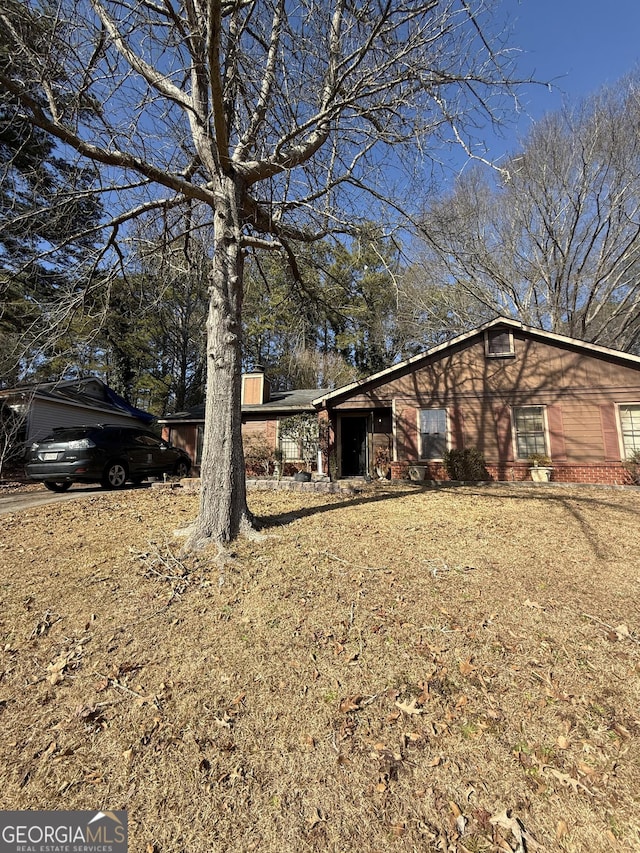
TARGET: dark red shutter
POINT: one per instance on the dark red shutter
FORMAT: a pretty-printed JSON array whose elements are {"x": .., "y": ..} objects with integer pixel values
[
  {"x": 557, "y": 449},
  {"x": 610, "y": 437}
]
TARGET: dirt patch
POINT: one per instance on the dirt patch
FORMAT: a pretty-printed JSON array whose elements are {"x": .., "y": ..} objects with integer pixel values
[{"x": 406, "y": 669}]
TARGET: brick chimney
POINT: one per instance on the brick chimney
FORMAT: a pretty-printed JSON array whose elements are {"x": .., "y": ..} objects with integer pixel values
[{"x": 256, "y": 388}]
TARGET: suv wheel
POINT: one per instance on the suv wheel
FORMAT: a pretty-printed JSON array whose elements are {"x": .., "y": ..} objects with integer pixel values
[
  {"x": 57, "y": 485},
  {"x": 181, "y": 469},
  {"x": 115, "y": 476}
]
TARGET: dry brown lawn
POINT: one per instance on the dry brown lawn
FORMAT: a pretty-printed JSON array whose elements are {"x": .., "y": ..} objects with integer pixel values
[{"x": 453, "y": 670}]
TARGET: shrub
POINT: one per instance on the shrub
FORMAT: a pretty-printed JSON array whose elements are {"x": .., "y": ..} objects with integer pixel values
[
  {"x": 258, "y": 455},
  {"x": 467, "y": 464},
  {"x": 632, "y": 464},
  {"x": 382, "y": 461}
]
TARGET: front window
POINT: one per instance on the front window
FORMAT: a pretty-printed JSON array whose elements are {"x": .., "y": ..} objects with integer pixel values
[
  {"x": 291, "y": 450},
  {"x": 530, "y": 431},
  {"x": 433, "y": 433},
  {"x": 630, "y": 425}
]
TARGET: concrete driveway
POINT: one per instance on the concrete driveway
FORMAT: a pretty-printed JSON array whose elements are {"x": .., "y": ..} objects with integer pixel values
[{"x": 14, "y": 500}]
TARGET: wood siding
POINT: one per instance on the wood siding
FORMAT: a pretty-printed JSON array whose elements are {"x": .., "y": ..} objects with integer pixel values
[
  {"x": 44, "y": 415},
  {"x": 579, "y": 389}
]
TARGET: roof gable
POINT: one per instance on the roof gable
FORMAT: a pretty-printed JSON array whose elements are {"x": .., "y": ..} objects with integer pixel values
[
  {"x": 442, "y": 350},
  {"x": 87, "y": 393}
]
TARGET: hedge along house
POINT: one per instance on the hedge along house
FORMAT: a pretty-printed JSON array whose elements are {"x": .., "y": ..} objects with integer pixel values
[
  {"x": 504, "y": 388},
  {"x": 262, "y": 412}
]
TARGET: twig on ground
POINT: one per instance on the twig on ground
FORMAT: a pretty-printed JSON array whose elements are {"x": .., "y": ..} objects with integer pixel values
[
  {"x": 46, "y": 621},
  {"x": 353, "y": 565},
  {"x": 436, "y": 566},
  {"x": 621, "y": 630},
  {"x": 162, "y": 563},
  {"x": 114, "y": 682}
]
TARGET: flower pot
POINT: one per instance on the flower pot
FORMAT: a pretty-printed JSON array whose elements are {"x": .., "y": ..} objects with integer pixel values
[
  {"x": 417, "y": 472},
  {"x": 540, "y": 473}
]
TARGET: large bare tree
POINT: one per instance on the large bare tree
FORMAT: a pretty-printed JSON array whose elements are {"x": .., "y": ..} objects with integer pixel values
[
  {"x": 554, "y": 238},
  {"x": 285, "y": 119}
]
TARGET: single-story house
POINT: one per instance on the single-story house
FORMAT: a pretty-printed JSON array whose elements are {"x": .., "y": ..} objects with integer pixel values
[
  {"x": 508, "y": 390},
  {"x": 73, "y": 402},
  {"x": 262, "y": 412}
]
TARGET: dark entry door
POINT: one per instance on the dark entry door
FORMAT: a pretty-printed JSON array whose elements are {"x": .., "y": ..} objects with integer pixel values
[{"x": 354, "y": 446}]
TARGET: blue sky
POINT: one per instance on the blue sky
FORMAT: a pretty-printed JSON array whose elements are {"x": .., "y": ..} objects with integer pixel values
[{"x": 579, "y": 45}]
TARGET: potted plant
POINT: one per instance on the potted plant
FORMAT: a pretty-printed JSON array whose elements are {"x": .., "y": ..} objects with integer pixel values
[
  {"x": 541, "y": 468},
  {"x": 382, "y": 462},
  {"x": 417, "y": 473}
]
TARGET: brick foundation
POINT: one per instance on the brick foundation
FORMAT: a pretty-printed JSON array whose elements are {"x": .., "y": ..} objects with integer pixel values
[{"x": 604, "y": 473}]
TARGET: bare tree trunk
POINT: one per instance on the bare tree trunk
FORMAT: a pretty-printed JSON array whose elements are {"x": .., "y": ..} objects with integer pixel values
[{"x": 223, "y": 501}]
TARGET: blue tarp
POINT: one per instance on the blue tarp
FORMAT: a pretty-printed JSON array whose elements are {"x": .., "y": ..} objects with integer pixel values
[{"x": 121, "y": 403}]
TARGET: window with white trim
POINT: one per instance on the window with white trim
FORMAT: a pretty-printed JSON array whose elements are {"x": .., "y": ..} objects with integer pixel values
[
  {"x": 530, "y": 431},
  {"x": 291, "y": 449},
  {"x": 630, "y": 428},
  {"x": 432, "y": 424}
]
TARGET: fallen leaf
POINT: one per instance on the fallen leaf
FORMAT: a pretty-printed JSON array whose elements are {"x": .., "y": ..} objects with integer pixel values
[
  {"x": 461, "y": 824},
  {"x": 561, "y": 829},
  {"x": 409, "y": 707},
  {"x": 513, "y": 825},
  {"x": 563, "y": 742},
  {"x": 455, "y": 809},
  {"x": 466, "y": 667},
  {"x": 566, "y": 780},
  {"x": 351, "y": 703},
  {"x": 315, "y": 818},
  {"x": 56, "y": 669}
]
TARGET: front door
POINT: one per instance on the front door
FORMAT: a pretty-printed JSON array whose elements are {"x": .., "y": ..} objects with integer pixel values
[{"x": 353, "y": 441}]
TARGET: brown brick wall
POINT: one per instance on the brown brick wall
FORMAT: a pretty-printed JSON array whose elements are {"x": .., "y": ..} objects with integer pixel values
[{"x": 597, "y": 474}]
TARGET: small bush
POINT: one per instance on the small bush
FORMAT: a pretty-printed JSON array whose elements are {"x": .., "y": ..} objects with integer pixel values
[
  {"x": 632, "y": 464},
  {"x": 258, "y": 455},
  {"x": 467, "y": 464}
]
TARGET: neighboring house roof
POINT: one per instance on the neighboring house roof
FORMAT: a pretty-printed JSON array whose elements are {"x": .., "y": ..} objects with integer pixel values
[
  {"x": 89, "y": 393},
  {"x": 281, "y": 402},
  {"x": 322, "y": 400}
]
